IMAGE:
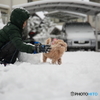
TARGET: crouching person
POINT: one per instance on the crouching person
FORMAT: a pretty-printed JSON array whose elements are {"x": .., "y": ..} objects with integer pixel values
[{"x": 11, "y": 38}]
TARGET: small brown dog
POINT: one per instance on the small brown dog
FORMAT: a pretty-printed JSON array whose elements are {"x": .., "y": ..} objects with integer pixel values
[{"x": 58, "y": 47}]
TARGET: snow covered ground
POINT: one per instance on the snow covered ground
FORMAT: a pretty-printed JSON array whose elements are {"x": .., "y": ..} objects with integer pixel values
[{"x": 80, "y": 72}]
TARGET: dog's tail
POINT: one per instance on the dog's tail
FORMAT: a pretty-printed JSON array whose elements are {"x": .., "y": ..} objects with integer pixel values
[{"x": 48, "y": 41}]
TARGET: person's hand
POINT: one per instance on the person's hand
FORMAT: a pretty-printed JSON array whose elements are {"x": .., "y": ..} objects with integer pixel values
[
  {"x": 42, "y": 48},
  {"x": 45, "y": 48}
]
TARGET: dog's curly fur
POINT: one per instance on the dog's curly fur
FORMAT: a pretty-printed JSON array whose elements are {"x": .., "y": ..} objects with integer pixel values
[{"x": 58, "y": 47}]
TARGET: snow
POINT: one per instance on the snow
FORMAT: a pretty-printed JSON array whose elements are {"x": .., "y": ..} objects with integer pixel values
[
  {"x": 25, "y": 57},
  {"x": 79, "y": 72},
  {"x": 59, "y": 27},
  {"x": 82, "y": 31},
  {"x": 48, "y": 1},
  {"x": 41, "y": 14},
  {"x": 42, "y": 27},
  {"x": 83, "y": 0}
]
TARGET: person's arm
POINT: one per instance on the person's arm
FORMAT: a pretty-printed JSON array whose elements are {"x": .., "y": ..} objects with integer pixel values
[
  {"x": 28, "y": 40},
  {"x": 16, "y": 39},
  {"x": 32, "y": 41},
  {"x": 23, "y": 47}
]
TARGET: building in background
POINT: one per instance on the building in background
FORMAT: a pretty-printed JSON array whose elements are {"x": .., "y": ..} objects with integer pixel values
[
  {"x": 4, "y": 13},
  {"x": 6, "y": 6},
  {"x": 12, "y": 2},
  {"x": 15, "y": 2}
]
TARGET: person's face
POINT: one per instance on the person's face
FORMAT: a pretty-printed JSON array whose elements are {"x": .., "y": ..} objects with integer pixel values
[{"x": 24, "y": 25}]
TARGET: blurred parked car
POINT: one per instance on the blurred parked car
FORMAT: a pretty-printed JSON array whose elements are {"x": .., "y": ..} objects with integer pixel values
[{"x": 79, "y": 35}]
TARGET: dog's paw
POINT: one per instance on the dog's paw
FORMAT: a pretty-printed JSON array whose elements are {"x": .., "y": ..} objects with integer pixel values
[{"x": 59, "y": 61}]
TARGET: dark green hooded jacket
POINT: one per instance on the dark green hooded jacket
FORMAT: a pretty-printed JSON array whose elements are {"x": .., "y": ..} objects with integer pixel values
[{"x": 13, "y": 31}]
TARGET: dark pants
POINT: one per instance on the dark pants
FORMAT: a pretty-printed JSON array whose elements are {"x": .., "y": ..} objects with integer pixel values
[{"x": 8, "y": 53}]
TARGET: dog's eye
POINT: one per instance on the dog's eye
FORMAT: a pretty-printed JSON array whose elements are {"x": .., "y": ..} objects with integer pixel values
[{"x": 61, "y": 44}]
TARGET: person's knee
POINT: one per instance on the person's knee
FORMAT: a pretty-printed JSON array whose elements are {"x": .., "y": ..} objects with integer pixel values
[{"x": 8, "y": 53}]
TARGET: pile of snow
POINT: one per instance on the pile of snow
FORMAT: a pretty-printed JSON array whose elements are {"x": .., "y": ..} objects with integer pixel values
[
  {"x": 59, "y": 27},
  {"x": 80, "y": 72},
  {"x": 79, "y": 30},
  {"x": 41, "y": 14},
  {"x": 33, "y": 24},
  {"x": 42, "y": 27},
  {"x": 25, "y": 57}
]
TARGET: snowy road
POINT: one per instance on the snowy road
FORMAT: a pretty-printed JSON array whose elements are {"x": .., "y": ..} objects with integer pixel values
[{"x": 80, "y": 72}]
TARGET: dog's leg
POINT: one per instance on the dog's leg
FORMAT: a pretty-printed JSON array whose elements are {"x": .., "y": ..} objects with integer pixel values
[
  {"x": 59, "y": 61},
  {"x": 44, "y": 58},
  {"x": 54, "y": 61}
]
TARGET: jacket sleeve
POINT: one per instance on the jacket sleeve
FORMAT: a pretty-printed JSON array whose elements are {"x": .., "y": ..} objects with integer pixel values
[
  {"x": 29, "y": 41},
  {"x": 16, "y": 39}
]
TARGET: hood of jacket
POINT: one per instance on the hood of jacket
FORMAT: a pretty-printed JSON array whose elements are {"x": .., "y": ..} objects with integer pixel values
[{"x": 19, "y": 16}]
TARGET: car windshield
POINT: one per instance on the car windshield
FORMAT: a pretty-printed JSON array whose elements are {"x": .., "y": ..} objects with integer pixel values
[{"x": 77, "y": 28}]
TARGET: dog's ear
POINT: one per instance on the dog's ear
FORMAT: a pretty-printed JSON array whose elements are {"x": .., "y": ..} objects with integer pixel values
[{"x": 48, "y": 41}]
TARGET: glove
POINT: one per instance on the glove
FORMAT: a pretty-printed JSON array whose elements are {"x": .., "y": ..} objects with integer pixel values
[
  {"x": 45, "y": 48},
  {"x": 42, "y": 48},
  {"x": 35, "y": 42}
]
